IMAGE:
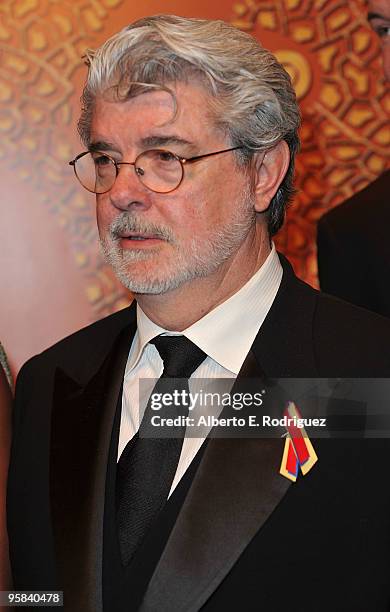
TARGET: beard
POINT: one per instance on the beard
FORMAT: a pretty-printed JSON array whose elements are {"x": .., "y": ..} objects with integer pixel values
[{"x": 149, "y": 272}]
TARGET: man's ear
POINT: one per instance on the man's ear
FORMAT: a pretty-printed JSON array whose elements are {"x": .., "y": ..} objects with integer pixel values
[{"x": 270, "y": 169}]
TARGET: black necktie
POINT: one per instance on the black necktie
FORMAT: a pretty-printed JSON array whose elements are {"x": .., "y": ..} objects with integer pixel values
[{"x": 147, "y": 466}]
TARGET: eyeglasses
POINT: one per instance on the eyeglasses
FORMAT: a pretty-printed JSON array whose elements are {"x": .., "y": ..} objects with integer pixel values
[{"x": 159, "y": 170}]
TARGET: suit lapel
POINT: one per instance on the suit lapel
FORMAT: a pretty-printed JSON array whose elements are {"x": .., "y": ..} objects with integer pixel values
[
  {"x": 237, "y": 485},
  {"x": 284, "y": 345},
  {"x": 81, "y": 429}
]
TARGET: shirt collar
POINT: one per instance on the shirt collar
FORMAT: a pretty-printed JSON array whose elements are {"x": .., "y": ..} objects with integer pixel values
[{"x": 227, "y": 332}]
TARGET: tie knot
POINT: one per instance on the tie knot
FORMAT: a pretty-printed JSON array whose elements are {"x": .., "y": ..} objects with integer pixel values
[{"x": 181, "y": 357}]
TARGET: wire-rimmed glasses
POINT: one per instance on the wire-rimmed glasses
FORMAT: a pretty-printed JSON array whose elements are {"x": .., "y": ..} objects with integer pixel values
[{"x": 159, "y": 170}]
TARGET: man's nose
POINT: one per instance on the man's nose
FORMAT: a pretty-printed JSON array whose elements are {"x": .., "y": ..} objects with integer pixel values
[{"x": 128, "y": 192}]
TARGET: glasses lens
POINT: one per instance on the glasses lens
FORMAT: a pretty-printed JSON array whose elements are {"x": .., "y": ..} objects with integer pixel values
[
  {"x": 160, "y": 171},
  {"x": 96, "y": 172}
]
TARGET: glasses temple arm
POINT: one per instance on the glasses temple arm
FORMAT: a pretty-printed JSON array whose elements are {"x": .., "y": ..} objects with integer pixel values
[{"x": 190, "y": 159}]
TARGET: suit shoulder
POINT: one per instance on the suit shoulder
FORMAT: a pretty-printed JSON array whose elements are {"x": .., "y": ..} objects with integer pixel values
[
  {"x": 82, "y": 344},
  {"x": 354, "y": 211},
  {"x": 351, "y": 337},
  {"x": 103, "y": 328}
]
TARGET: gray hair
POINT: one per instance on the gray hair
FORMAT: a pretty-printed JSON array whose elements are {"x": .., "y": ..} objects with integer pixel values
[{"x": 251, "y": 95}]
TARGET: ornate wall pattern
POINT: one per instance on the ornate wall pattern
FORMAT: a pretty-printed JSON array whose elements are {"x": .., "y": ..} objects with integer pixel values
[
  {"x": 326, "y": 46},
  {"x": 41, "y": 45},
  {"x": 333, "y": 59}
]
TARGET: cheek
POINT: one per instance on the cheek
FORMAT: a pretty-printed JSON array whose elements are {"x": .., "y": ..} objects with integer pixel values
[
  {"x": 200, "y": 214},
  {"x": 102, "y": 217},
  {"x": 205, "y": 205}
]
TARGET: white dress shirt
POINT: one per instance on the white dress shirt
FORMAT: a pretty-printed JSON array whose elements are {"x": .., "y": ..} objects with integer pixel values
[{"x": 225, "y": 334}]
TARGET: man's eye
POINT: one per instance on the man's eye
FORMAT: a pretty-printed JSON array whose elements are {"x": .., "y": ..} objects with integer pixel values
[
  {"x": 383, "y": 31},
  {"x": 166, "y": 156},
  {"x": 101, "y": 160}
]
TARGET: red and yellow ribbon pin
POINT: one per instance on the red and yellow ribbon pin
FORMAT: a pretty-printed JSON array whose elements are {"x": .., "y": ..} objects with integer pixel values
[{"x": 298, "y": 450}]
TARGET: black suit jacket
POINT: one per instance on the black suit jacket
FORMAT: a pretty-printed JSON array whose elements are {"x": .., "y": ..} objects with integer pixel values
[
  {"x": 245, "y": 537},
  {"x": 354, "y": 248}
]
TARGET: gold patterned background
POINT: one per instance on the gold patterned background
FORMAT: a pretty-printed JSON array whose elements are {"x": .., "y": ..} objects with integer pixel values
[
  {"x": 333, "y": 59},
  {"x": 326, "y": 46}
]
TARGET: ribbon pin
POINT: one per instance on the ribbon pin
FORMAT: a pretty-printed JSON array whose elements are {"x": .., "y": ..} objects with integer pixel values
[{"x": 298, "y": 450}]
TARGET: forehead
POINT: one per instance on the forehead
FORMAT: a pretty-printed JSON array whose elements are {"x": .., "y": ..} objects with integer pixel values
[
  {"x": 187, "y": 112},
  {"x": 380, "y": 7}
]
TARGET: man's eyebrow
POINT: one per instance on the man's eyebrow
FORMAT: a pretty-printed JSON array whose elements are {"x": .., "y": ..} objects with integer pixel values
[
  {"x": 371, "y": 16},
  {"x": 101, "y": 145},
  {"x": 162, "y": 141},
  {"x": 147, "y": 142}
]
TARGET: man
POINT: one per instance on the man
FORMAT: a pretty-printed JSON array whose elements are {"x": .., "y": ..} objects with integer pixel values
[
  {"x": 191, "y": 130},
  {"x": 354, "y": 255},
  {"x": 5, "y": 443}
]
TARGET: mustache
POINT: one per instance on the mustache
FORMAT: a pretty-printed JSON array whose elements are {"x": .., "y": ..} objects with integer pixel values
[{"x": 128, "y": 222}]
